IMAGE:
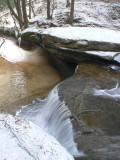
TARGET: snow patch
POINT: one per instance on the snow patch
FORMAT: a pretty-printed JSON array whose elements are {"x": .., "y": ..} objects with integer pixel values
[{"x": 13, "y": 53}]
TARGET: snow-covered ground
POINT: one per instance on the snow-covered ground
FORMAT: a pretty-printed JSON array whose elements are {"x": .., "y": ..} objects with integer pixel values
[
  {"x": 87, "y": 13},
  {"x": 101, "y": 13},
  {"x": 21, "y": 139}
]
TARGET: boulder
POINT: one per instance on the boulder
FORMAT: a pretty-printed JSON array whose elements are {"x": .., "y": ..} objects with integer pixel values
[
  {"x": 22, "y": 139},
  {"x": 93, "y": 97}
]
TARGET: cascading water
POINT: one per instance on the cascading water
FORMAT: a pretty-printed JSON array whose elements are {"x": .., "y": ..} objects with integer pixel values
[{"x": 54, "y": 117}]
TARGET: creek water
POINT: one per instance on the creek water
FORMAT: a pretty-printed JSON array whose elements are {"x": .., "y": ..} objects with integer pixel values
[{"x": 25, "y": 75}]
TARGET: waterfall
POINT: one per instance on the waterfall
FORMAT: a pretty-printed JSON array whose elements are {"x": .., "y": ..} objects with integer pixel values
[{"x": 53, "y": 116}]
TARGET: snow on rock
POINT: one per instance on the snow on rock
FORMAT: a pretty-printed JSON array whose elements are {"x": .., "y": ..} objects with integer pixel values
[
  {"x": 31, "y": 30},
  {"x": 85, "y": 33},
  {"x": 22, "y": 139},
  {"x": 106, "y": 55},
  {"x": 94, "y": 42}
]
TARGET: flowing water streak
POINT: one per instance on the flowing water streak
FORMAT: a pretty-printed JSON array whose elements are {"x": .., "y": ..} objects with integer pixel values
[
  {"x": 54, "y": 117},
  {"x": 114, "y": 92}
]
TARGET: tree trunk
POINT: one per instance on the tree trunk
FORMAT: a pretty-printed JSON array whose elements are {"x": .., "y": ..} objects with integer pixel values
[
  {"x": 48, "y": 9},
  {"x": 71, "y": 12},
  {"x": 67, "y": 3},
  {"x": 24, "y": 14},
  {"x": 30, "y": 7},
  {"x": 17, "y": 5}
]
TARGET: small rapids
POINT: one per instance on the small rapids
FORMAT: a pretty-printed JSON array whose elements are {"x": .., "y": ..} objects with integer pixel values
[
  {"x": 54, "y": 117},
  {"x": 114, "y": 92}
]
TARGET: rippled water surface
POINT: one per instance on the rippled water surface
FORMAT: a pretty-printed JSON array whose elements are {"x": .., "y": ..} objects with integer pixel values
[{"x": 25, "y": 75}]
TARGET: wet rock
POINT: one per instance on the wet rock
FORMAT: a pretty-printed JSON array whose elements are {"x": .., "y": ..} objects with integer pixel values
[
  {"x": 32, "y": 35},
  {"x": 22, "y": 139},
  {"x": 93, "y": 97}
]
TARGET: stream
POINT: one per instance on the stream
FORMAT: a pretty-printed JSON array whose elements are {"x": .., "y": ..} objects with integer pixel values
[{"x": 25, "y": 75}]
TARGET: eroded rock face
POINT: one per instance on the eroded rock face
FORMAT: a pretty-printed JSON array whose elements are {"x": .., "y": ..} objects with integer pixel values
[
  {"x": 76, "y": 44},
  {"x": 22, "y": 139},
  {"x": 93, "y": 97}
]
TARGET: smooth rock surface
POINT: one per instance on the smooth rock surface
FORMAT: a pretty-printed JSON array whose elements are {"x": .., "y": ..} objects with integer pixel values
[
  {"x": 93, "y": 97},
  {"x": 21, "y": 139}
]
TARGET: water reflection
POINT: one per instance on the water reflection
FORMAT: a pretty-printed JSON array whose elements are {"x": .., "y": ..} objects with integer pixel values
[
  {"x": 25, "y": 75},
  {"x": 18, "y": 82}
]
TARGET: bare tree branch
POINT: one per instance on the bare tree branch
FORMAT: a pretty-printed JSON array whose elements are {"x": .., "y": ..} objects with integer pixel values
[
  {"x": 12, "y": 11},
  {"x": 2, "y": 43}
]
